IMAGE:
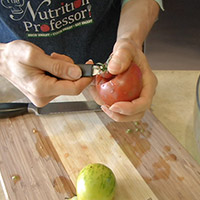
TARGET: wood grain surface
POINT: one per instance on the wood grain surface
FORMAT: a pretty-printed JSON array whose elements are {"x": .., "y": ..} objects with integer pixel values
[{"x": 41, "y": 156}]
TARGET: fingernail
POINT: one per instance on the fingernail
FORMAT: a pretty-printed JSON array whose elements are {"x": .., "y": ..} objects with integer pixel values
[
  {"x": 104, "y": 107},
  {"x": 74, "y": 72},
  {"x": 106, "y": 110},
  {"x": 115, "y": 65},
  {"x": 115, "y": 109},
  {"x": 90, "y": 61}
]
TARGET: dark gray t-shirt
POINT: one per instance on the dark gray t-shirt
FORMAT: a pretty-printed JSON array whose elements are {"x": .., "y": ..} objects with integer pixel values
[{"x": 81, "y": 29}]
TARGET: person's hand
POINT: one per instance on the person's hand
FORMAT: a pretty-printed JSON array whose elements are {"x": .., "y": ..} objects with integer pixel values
[
  {"x": 126, "y": 51},
  {"x": 25, "y": 65}
]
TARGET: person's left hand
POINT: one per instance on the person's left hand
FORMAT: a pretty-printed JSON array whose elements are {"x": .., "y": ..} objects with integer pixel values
[{"x": 126, "y": 51}]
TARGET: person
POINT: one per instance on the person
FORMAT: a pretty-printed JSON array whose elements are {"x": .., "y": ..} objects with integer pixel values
[{"x": 51, "y": 36}]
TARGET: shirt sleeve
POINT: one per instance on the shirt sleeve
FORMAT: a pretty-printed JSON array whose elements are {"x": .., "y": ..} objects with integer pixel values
[{"x": 160, "y": 3}]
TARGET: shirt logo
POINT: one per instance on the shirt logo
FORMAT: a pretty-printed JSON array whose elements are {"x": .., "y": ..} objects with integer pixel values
[
  {"x": 14, "y": 5},
  {"x": 45, "y": 21}
]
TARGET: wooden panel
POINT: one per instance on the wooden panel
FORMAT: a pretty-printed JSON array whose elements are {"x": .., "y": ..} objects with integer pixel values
[{"x": 40, "y": 157}]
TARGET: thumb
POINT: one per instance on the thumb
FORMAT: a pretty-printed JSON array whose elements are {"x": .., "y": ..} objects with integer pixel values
[
  {"x": 73, "y": 71},
  {"x": 121, "y": 57},
  {"x": 61, "y": 57},
  {"x": 63, "y": 67},
  {"x": 55, "y": 65},
  {"x": 120, "y": 61}
]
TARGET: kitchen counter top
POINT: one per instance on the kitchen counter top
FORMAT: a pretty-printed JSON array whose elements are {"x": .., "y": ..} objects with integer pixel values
[{"x": 173, "y": 105}]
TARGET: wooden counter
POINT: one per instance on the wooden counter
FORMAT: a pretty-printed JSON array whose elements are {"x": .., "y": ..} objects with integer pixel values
[{"x": 160, "y": 167}]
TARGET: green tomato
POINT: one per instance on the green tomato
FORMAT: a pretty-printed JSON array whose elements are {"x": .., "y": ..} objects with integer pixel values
[{"x": 96, "y": 182}]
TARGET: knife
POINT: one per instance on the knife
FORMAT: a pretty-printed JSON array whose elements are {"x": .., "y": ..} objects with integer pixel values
[
  {"x": 88, "y": 70},
  {"x": 16, "y": 109}
]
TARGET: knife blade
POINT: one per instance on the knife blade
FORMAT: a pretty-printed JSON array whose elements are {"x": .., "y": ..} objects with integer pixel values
[{"x": 15, "y": 109}]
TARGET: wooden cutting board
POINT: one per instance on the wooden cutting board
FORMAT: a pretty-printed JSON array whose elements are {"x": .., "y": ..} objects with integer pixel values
[{"x": 40, "y": 157}]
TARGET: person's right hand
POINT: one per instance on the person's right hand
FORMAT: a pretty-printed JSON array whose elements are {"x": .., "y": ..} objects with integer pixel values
[{"x": 24, "y": 65}]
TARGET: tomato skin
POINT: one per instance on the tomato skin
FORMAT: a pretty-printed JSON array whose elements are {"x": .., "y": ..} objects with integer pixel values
[
  {"x": 107, "y": 75},
  {"x": 126, "y": 86}
]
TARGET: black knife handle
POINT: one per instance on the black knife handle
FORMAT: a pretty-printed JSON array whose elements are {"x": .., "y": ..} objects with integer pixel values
[
  {"x": 87, "y": 71},
  {"x": 13, "y": 109}
]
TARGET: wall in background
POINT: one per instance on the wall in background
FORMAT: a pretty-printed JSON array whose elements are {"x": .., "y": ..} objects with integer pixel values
[{"x": 174, "y": 41}]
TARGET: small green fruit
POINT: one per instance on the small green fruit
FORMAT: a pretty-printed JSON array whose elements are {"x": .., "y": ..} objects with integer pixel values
[{"x": 96, "y": 182}]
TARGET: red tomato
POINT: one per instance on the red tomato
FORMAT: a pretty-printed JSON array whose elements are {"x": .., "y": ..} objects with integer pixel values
[{"x": 122, "y": 87}]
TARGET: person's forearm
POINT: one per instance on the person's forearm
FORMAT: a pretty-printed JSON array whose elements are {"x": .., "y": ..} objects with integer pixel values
[{"x": 136, "y": 20}]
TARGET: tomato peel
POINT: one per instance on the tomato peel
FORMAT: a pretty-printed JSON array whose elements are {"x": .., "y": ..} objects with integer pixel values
[{"x": 126, "y": 86}]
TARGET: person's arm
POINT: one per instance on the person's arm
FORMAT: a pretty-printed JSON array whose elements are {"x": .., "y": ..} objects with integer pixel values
[
  {"x": 136, "y": 20},
  {"x": 25, "y": 65},
  {"x": 160, "y": 3}
]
